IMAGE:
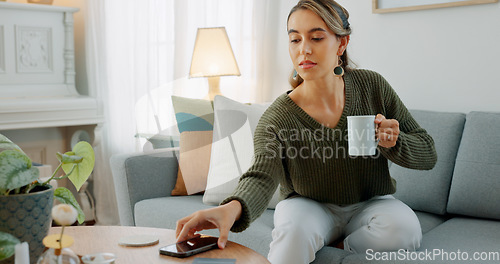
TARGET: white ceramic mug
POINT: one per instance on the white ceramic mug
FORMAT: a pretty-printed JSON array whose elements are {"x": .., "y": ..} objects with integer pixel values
[{"x": 361, "y": 135}]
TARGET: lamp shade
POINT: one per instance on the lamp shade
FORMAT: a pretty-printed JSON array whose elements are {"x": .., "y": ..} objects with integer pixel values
[{"x": 213, "y": 55}]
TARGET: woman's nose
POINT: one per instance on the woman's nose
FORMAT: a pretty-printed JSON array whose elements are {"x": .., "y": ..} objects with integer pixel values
[{"x": 305, "y": 48}]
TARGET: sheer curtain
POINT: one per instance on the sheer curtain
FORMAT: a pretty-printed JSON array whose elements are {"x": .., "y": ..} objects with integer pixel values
[{"x": 139, "y": 53}]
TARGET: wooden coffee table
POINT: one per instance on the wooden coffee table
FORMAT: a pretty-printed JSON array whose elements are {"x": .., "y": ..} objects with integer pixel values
[{"x": 97, "y": 239}]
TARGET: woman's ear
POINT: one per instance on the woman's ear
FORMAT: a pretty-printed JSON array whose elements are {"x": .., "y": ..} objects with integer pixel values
[{"x": 343, "y": 44}]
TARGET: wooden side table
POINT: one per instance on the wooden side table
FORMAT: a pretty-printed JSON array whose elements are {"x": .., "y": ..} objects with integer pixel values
[{"x": 97, "y": 239}]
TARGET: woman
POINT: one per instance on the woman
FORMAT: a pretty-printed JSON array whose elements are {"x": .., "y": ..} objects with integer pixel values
[{"x": 325, "y": 198}]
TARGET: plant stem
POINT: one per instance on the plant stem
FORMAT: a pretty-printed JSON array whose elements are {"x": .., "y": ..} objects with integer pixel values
[
  {"x": 60, "y": 238},
  {"x": 29, "y": 187},
  {"x": 53, "y": 174},
  {"x": 68, "y": 174}
]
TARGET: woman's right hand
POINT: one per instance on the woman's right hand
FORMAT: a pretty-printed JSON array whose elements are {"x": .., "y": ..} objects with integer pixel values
[{"x": 221, "y": 217}]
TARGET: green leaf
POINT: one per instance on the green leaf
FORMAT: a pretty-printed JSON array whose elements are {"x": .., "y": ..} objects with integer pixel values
[
  {"x": 8, "y": 244},
  {"x": 68, "y": 158},
  {"x": 83, "y": 169},
  {"x": 15, "y": 170},
  {"x": 65, "y": 196},
  {"x": 6, "y": 143}
]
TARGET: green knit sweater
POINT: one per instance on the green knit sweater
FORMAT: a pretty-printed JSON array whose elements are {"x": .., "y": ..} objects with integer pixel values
[{"x": 311, "y": 160}]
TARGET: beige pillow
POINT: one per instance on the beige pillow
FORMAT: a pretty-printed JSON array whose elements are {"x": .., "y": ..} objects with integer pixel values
[
  {"x": 194, "y": 162},
  {"x": 195, "y": 118}
]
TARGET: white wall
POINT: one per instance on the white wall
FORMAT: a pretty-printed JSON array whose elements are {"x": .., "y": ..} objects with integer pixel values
[{"x": 445, "y": 59}]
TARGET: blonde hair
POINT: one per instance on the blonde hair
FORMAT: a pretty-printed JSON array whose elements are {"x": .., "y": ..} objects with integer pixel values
[{"x": 328, "y": 10}]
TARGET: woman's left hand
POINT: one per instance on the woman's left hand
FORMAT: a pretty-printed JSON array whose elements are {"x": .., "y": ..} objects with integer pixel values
[{"x": 387, "y": 131}]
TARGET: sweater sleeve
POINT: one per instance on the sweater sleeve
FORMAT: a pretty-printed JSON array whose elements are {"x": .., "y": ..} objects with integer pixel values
[
  {"x": 257, "y": 185},
  {"x": 415, "y": 147}
]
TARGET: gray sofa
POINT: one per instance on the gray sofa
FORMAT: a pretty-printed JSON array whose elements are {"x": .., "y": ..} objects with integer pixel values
[{"x": 457, "y": 202}]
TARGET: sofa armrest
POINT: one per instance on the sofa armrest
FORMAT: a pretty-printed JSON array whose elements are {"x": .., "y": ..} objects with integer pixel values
[{"x": 140, "y": 176}]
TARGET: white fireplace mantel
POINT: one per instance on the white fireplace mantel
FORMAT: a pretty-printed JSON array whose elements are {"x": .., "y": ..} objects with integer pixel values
[
  {"x": 37, "y": 69},
  {"x": 22, "y": 113}
]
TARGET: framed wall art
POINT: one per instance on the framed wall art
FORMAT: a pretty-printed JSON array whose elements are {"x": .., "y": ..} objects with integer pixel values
[{"x": 386, "y": 6}]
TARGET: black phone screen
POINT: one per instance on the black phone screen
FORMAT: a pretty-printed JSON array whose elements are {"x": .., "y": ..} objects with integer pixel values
[{"x": 190, "y": 247}]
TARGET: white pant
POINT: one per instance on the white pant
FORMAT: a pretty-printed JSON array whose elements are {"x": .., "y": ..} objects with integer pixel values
[{"x": 303, "y": 226}]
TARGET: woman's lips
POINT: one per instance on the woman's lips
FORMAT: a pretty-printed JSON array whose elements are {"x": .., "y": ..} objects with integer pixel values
[{"x": 307, "y": 64}]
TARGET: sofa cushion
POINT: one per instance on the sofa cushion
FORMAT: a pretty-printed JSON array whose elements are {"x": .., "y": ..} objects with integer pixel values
[
  {"x": 169, "y": 209},
  {"x": 465, "y": 235},
  {"x": 429, "y": 221},
  {"x": 161, "y": 168},
  {"x": 194, "y": 162},
  {"x": 476, "y": 181},
  {"x": 195, "y": 119},
  {"x": 428, "y": 190},
  {"x": 442, "y": 245},
  {"x": 164, "y": 212},
  {"x": 232, "y": 148}
]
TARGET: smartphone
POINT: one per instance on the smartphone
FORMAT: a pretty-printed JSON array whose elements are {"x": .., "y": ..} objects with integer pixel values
[{"x": 190, "y": 247}]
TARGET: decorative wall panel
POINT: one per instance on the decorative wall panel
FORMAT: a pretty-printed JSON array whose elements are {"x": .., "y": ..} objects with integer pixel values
[{"x": 33, "y": 49}]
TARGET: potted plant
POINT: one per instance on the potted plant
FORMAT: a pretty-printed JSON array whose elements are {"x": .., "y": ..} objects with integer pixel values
[{"x": 26, "y": 201}]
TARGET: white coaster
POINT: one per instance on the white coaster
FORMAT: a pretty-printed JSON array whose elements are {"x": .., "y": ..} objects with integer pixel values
[{"x": 138, "y": 240}]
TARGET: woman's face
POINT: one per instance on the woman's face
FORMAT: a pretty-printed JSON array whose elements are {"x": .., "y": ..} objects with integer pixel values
[{"x": 313, "y": 47}]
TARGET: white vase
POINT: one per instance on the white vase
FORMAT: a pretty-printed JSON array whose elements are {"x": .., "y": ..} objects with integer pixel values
[{"x": 66, "y": 256}]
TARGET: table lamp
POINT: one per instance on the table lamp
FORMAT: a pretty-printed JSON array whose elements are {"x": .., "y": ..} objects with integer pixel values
[{"x": 213, "y": 57}]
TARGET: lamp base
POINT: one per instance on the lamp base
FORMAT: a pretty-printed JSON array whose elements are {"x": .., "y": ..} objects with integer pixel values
[{"x": 213, "y": 87}]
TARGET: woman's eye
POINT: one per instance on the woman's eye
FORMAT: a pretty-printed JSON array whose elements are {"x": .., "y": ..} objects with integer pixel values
[
  {"x": 294, "y": 40},
  {"x": 317, "y": 39}
]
